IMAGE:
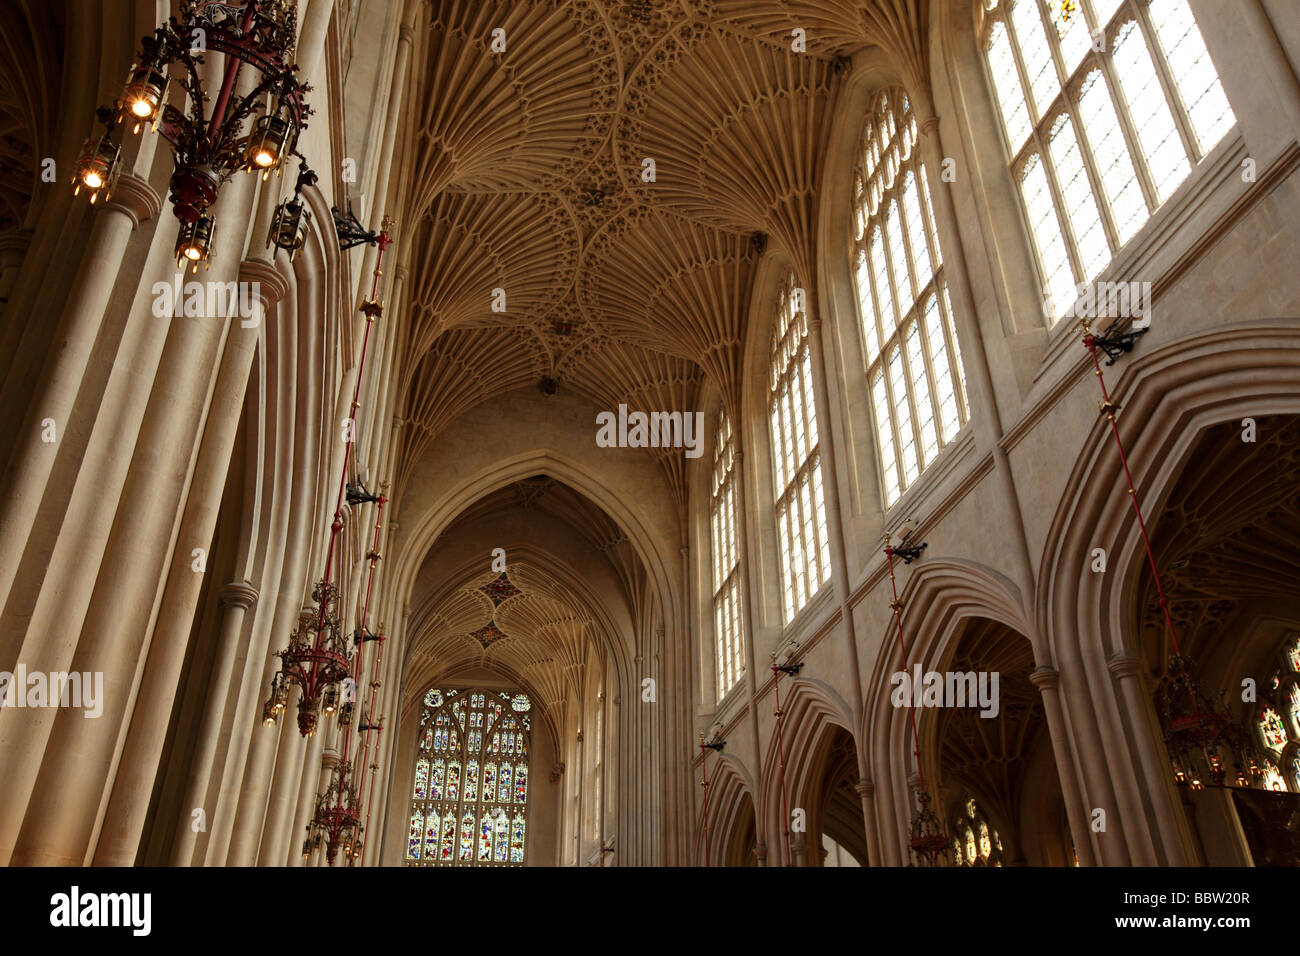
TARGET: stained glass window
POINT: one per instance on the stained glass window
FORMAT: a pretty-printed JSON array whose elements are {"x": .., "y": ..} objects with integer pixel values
[
  {"x": 1107, "y": 106},
  {"x": 975, "y": 841},
  {"x": 1271, "y": 730},
  {"x": 796, "y": 453},
  {"x": 469, "y": 797},
  {"x": 914, "y": 371},
  {"x": 1277, "y": 721},
  {"x": 1293, "y": 655},
  {"x": 726, "y": 562},
  {"x": 1272, "y": 777}
]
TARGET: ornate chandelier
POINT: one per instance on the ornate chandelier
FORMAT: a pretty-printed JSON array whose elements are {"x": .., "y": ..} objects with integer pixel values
[
  {"x": 1201, "y": 736},
  {"x": 318, "y": 659},
  {"x": 337, "y": 820},
  {"x": 256, "y": 132}
]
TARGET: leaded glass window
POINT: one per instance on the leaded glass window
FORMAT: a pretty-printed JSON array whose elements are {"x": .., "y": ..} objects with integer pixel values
[
  {"x": 469, "y": 796},
  {"x": 796, "y": 453},
  {"x": 1276, "y": 719},
  {"x": 1107, "y": 106},
  {"x": 975, "y": 841},
  {"x": 914, "y": 371},
  {"x": 726, "y": 562}
]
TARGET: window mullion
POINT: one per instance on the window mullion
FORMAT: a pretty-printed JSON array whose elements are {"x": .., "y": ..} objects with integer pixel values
[
  {"x": 910, "y": 390},
  {"x": 1115, "y": 91},
  {"x": 1177, "y": 109},
  {"x": 931, "y": 380},
  {"x": 892, "y": 423},
  {"x": 1026, "y": 88},
  {"x": 949, "y": 332},
  {"x": 1054, "y": 186},
  {"x": 1091, "y": 169}
]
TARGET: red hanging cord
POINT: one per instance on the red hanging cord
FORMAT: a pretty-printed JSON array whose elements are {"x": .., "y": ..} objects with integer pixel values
[
  {"x": 898, "y": 619},
  {"x": 704, "y": 769},
  {"x": 1107, "y": 406},
  {"x": 780, "y": 751},
  {"x": 372, "y": 310}
]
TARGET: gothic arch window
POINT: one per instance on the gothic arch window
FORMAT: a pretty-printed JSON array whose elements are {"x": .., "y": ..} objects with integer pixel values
[
  {"x": 1107, "y": 105},
  {"x": 797, "y": 474},
  {"x": 914, "y": 371},
  {"x": 1277, "y": 720},
  {"x": 726, "y": 562},
  {"x": 469, "y": 797},
  {"x": 975, "y": 841}
]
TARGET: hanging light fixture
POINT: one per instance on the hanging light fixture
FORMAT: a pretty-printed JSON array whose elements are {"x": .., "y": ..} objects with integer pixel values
[
  {"x": 209, "y": 147},
  {"x": 194, "y": 242},
  {"x": 318, "y": 657},
  {"x": 337, "y": 820},
  {"x": 99, "y": 164},
  {"x": 927, "y": 839},
  {"x": 1200, "y": 735},
  {"x": 292, "y": 219}
]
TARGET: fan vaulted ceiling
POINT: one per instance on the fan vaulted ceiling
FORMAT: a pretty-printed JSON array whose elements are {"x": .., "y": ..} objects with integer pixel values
[{"x": 529, "y": 175}]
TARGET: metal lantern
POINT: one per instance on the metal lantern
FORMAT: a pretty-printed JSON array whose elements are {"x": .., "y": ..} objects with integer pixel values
[
  {"x": 143, "y": 96},
  {"x": 194, "y": 241},
  {"x": 98, "y": 167},
  {"x": 268, "y": 144}
]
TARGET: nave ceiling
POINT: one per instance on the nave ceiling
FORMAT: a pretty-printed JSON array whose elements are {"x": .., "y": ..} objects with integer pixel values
[{"x": 525, "y": 173}]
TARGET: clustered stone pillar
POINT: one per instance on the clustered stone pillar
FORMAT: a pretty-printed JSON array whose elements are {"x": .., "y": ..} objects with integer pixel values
[{"x": 107, "y": 532}]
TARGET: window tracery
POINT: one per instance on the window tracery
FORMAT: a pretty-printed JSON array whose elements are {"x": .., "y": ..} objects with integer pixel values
[
  {"x": 1277, "y": 720},
  {"x": 975, "y": 841},
  {"x": 727, "y": 612},
  {"x": 797, "y": 475},
  {"x": 469, "y": 797},
  {"x": 1107, "y": 105},
  {"x": 914, "y": 370}
]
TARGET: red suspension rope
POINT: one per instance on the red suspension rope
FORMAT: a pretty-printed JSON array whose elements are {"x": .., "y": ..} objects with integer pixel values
[
  {"x": 780, "y": 752},
  {"x": 372, "y": 309},
  {"x": 902, "y": 646},
  {"x": 704, "y": 769},
  {"x": 1108, "y": 406}
]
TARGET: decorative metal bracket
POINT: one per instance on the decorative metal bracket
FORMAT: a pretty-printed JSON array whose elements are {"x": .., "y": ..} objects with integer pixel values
[
  {"x": 716, "y": 744},
  {"x": 789, "y": 668},
  {"x": 910, "y": 553},
  {"x": 350, "y": 231},
  {"x": 360, "y": 636},
  {"x": 1115, "y": 343},
  {"x": 357, "y": 494}
]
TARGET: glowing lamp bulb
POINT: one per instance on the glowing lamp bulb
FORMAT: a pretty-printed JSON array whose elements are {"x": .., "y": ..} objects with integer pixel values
[
  {"x": 192, "y": 253},
  {"x": 264, "y": 158},
  {"x": 92, "y": 179},
  {"x": 142, "y": 108}
]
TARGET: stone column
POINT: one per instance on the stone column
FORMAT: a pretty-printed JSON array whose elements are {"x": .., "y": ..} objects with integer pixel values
[
  {"x": 134, "y": 424},
  {"x": 749, "y": 602},
  {"x": 27, "y": 475},
  {"x": 835, "y": 532},
  {"x": 1048, "y": 682},
  {"x": 142, "y": 750},
  {"x": 113, "y": 641},
  {"x": 1173, "y": 837},
  {"x": 866, "y": 793},
  {"x": 237, "y": 598}
]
